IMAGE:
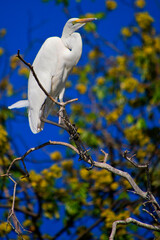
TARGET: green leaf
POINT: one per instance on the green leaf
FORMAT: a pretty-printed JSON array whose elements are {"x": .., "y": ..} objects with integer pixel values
[
  {"x": 100, "y": 15},
  {"x": 141, "y": 123},
  {"x": 129, "y": 119},
  {"x": 72, "y": 207},
  {"x": 90, "y": 27}
]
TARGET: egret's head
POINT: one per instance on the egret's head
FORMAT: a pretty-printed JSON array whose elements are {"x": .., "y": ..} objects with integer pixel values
[{"x": 74, "y": 24}]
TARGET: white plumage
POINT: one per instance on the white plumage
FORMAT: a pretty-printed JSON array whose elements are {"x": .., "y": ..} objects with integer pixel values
[{"x": 53, "y": 64}]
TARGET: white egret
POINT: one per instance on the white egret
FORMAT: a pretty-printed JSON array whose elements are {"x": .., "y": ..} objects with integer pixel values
[{"x": 53, "y": 64}]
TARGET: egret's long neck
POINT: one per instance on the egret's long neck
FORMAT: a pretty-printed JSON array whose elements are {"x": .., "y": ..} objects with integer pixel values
[{"x": 74, "y": 44}]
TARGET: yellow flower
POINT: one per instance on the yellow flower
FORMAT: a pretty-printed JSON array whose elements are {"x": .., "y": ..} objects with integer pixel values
[
  {"x": 111, "y": 4},
  {"x": 126, "y": 32},
  {"x": 102, "y": 178},
  {"x": 126, "y": 184},
  {"x": 129, "y": 84},
  {"x": 3, "y": 32},
  {"x": 110, "y": 217},
  {"x": 114, "y": 115},
  {"x": 68, "y": 84},
  {"x": 24, "y": 71},
  {"x": 114, "y": 186},
  {"x": 75, "y": 70},
  {"x": 148, "y": 50},
  {"x": 56, "y": 155},
  {"x": 84, "y": 173},
  {"x": 93, "y": 54},
  {"x": 43, "y": 183},
  {"x": 90, "y": 27},
  {"x": 135, "y": 29},
  {"x": 157, "y": 43},
  {"x": 133, "y": 134},
  {"x": 123, "y": 215},
  {"x": 121, "y": 60},
  {"x": 140, "y": 3},
  {"x": 150, "y": 148},
  {"x": 147, "y": 38},
  {"x": 14, "y": 61},
  {"x": 9, "y": 89},
  {"x": 100, "y": 80},
  {"x": 67, "y": 165},
  {"x": 27, "y": 223},
  {"x": 35, "y": 178},
  {"x": 56, "y": 171},
  {"x": 76, "y": 107},
  {"x": 81, "y": 88},
  {"x": 141, "y": 154},
  {"x": 89, "y": 15},
  {"x": 5, "y": 228},
  {"x": 144, "y": 20},
  {"x": 4, "y": 161},
  {"x": 4, "y": 145},
  {"x": 1, "y": 51}
]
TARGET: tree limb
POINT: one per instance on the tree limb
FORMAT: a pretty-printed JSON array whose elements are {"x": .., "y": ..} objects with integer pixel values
[{"x": 131, "y": 220}]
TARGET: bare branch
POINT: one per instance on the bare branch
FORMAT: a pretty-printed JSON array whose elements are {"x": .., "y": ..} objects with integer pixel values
[
  {"x": 124, "y": 175},
  {"x": 130, "y": 159},
  {"x": 38, "y": 147},
  {"x": 155, "y": 219},
  {"x": 131, "y": 220},
  {"x": 12, "y": 216},
  {"x": 105, "y": 156}
]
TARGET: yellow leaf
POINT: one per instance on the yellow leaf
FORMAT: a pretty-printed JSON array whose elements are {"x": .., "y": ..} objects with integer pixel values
[
  {"x": 140, "y": 3},
  {"x": 125, "y": 31},
  {"x": 81, "y": 88},
  {"x": 14, "y": 61},
  {"x": 3, "y": 32},
  {"x": 100, "y": 80},
  {"x": 56, "y": 155},
  {"x": 1, "y": 51},
  {"x": 111, "y": 4},
  {"x": 144, "y": 20}
]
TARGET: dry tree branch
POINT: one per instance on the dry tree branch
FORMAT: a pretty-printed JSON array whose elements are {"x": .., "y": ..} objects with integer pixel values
[
  {"x": 123, "y": 174},
  {"x": 12, "y": 219},
  {"x": 150, "y": 196},
  {"x": 130, "y": 159},
  {"x": 36, "y": 148},
  {"x": 131, "y": 220}
]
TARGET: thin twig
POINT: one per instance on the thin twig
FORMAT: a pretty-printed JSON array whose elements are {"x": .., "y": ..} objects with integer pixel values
[
  {"x": 130, "y": 159},
  {"x": 41, "y": 146},
  {"x": 155, "y": 219}
]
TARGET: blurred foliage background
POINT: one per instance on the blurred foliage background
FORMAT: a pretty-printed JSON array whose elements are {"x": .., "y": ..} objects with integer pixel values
[{"x": 118, "y": 86}]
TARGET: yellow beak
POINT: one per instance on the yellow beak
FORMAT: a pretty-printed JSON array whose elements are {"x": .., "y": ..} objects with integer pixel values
[{"x": 85, "y": 20}]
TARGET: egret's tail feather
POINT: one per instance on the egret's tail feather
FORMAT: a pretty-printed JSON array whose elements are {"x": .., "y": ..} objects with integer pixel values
[
  {"x": 34, "y": 121},
  {"x": 35, "y": 115},
  {"x": 19, "y": 104}
]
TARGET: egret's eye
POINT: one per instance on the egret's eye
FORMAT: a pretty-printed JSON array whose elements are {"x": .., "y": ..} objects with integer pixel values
[{"x": 74, "y": 22}]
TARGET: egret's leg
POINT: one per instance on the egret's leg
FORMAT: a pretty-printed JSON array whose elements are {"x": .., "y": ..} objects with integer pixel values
[{"x": 61, "y": 111}]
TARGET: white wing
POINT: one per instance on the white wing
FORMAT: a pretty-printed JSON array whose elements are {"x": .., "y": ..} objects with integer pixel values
[{"x": 45, "y": 66}]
